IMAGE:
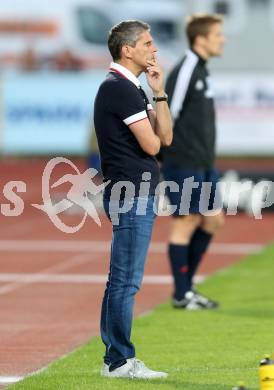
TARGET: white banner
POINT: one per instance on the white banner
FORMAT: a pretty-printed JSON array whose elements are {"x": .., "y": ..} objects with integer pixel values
[{"x": 245, "y": 113}]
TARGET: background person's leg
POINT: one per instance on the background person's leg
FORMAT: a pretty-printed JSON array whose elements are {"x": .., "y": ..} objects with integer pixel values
[
  {"x": 201, "y": 240},
  {"x": 197, "y": 247},
  {"x": 181, "y": 231},
  {"x": 210, "y": 224}
]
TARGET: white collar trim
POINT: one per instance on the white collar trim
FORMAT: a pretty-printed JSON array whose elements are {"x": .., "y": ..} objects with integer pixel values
[{"x": 125, "y": 72}]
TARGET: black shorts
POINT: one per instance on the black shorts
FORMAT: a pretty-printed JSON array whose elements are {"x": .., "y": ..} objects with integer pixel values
[{"x": 197, "y": 190}]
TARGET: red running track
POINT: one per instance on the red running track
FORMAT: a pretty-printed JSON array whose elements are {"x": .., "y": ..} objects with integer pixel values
[{"x": 51, "y": 283}]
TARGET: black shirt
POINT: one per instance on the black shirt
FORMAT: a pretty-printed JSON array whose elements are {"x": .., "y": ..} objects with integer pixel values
[
  {"x": 119, "y": 103},
  {"x": 192, "y": 109}
]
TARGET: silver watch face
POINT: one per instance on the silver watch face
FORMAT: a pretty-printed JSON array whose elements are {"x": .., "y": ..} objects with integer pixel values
[{"x": 165, "y": 96}]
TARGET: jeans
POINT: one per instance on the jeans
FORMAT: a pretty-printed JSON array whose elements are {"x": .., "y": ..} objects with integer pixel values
[{"x": 130, "y": 242}]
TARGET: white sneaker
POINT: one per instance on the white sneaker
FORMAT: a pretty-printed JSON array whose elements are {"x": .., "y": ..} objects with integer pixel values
[
  {"x": 133, "y": 368},
  {"x": 189, "y": 302},
  {"x": 104, "y": 370},
  {"x": 194, "y": 301}
]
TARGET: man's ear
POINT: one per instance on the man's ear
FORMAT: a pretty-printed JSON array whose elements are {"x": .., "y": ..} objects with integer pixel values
[
  {"x": 200, "y": 40},
  {"x": 126, "y": 51}
]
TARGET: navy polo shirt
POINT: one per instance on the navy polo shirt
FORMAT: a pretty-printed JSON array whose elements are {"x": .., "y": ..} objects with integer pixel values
[{"x": 120, "y": 102}]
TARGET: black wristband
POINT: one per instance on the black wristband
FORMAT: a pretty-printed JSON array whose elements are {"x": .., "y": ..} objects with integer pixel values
[{"x": 160, "y": 98}]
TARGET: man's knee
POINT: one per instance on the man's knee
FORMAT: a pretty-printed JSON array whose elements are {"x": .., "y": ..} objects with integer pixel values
[
  {"x": 188, "y": 222},
  {"x": 183, "y": 228},
  {"x": 213, "y": 223}
]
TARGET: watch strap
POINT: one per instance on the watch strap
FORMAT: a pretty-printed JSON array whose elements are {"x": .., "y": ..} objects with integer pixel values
[{"x": 160, "y": 98}]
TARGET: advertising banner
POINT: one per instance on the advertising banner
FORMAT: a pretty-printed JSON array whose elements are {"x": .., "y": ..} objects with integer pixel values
[
  {"x": 245, "y": 113},
  {"x": 48, "y": 113},
  {"x": 51, "y": 113}
]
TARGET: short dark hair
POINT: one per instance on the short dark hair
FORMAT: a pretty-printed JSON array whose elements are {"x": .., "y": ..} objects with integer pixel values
[
  {"x": 200, "y": 24},
  {"x": 125, "y": 33}
]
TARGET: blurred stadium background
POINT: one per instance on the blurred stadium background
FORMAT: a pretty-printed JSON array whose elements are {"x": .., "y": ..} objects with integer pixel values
[{"x": 52, "y": 60}]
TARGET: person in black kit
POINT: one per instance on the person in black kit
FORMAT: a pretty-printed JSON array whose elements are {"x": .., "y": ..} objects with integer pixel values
[
  {"x": 191, "y": 155},
  {"x": 130, "y": 133}
]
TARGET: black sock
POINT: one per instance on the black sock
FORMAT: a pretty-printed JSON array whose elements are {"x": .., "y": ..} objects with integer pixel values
[
  {"x": 113, "y": 366},
  {"x": 178, "y": 256},
  {"x": 197, "y": 247}
]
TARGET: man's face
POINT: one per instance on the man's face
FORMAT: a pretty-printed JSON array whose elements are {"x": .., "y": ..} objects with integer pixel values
[
  {"x": 214, "y": 41},
  {"x": 144, "y": 50}
]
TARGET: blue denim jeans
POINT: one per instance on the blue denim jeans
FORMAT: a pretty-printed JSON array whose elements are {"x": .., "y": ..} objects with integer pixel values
[{"x": 130, "y": 242}]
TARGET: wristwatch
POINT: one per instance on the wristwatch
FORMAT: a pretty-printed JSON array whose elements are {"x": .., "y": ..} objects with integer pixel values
[{"x": 160, "y": 98}]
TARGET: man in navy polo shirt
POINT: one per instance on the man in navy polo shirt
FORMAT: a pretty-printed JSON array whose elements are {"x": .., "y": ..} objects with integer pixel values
[{"x": 129, "y": 134}]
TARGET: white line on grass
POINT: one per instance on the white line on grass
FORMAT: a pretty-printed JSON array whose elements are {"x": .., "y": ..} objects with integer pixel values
[{"x": 104, "y": 246}]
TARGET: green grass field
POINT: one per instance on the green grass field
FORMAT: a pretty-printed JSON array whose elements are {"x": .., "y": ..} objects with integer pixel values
[{"x": 210, "y": 350}]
